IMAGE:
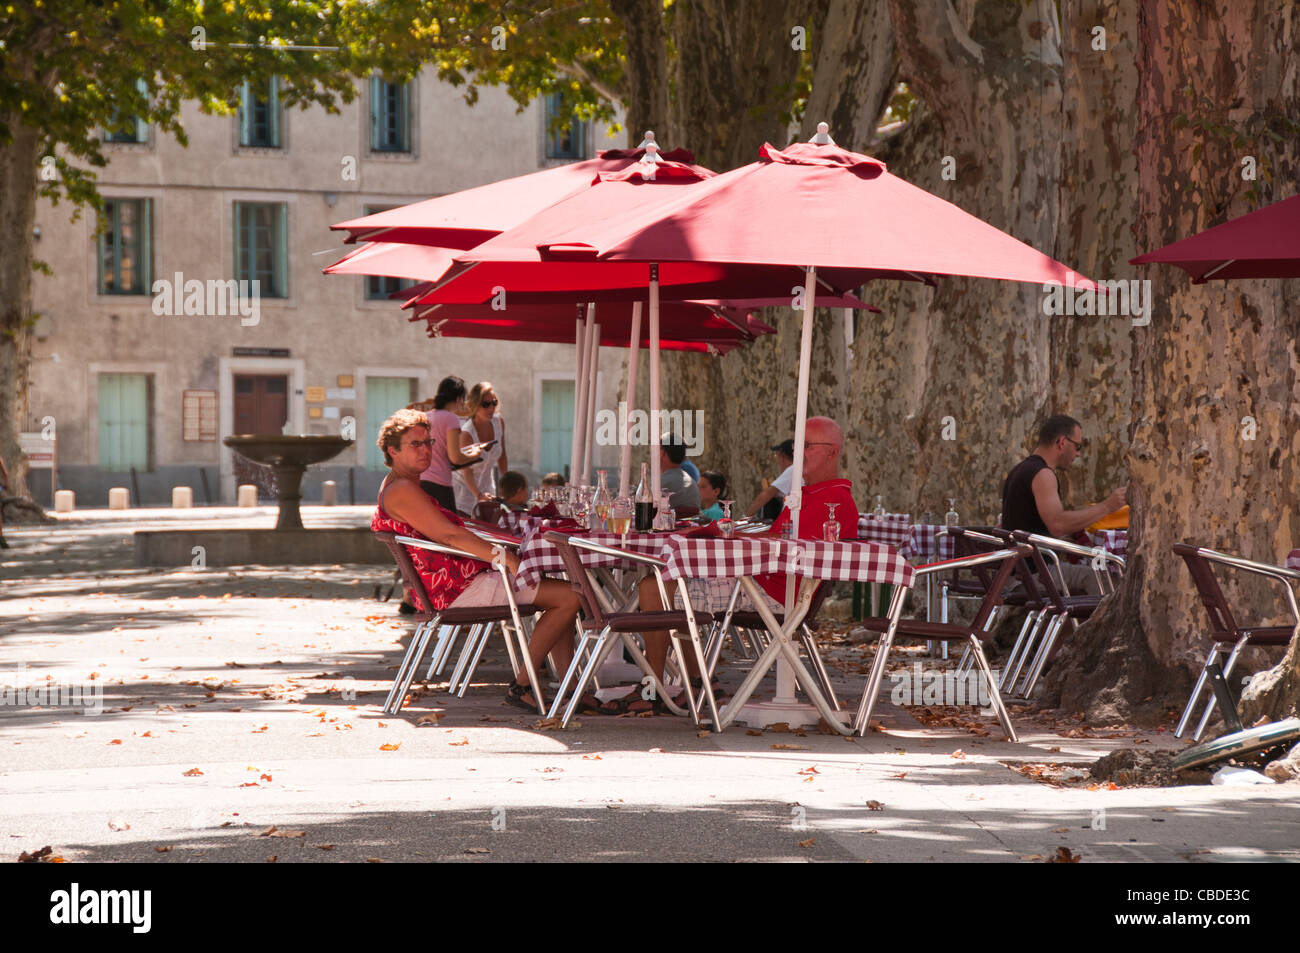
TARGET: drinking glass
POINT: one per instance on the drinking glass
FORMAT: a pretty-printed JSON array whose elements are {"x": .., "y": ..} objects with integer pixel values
[
  {"x": 950, "y": 518},
  {"x": 726, "y": 525},
  {"x": 831, "y": 528},
  {"x": 621, "y": 512},
  {"x": 601, "y": 501}
]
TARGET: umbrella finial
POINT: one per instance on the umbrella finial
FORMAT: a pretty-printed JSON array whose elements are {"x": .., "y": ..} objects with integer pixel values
[
  {"x": 649, "y": 139},
  {"x": 649, "y": 161},
  {"x": 823, "y": 137}
]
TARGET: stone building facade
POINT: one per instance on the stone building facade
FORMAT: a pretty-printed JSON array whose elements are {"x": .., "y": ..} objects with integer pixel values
[{"x": 140, "y": 390}]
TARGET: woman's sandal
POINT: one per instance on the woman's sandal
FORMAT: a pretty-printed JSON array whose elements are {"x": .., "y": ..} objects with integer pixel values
[
  {"x": 623, "y": 706},
  {"x": 515, "y": 696},
  {"x": 697, "y": 688}
]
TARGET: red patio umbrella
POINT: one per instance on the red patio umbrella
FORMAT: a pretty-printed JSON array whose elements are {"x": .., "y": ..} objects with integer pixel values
[
  {"x": 1261, "y": 244},
  {"x": 463, "y": 219}
]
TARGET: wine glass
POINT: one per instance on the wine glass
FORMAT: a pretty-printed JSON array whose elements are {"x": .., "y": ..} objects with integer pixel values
[
  {"x": 831, "y": 528},
  {"x": 726, "y": 525}
]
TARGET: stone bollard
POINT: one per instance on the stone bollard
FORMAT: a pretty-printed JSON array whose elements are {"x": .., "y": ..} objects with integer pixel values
[
  {"x": 65, "y": 501},
  {"x": 247, "y": 494},
  {"x": 119, "y": 498},
  {"x": 182, "y": 497},
  {"x": 329, "y": 493}
]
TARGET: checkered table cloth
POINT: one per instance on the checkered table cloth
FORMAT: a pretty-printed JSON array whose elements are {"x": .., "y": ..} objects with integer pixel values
[
  {"x": 705, "y": 557},
  {"x": 925, "y": 545},
  {"x": 1293, "y": 560},
  {"x": 890, "y": 529},
  {"x": 1112, "y": 540},
  {"x": 538, "y": 556}
]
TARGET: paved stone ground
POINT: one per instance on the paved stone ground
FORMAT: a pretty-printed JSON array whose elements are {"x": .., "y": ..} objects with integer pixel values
[{"x": 225, "y": 713}]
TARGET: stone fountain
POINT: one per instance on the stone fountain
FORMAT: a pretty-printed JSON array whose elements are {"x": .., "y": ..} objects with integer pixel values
[{"x": 289, "y": 457}]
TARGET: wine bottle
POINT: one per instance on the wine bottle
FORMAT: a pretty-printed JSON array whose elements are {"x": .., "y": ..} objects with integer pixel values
[{"x": 645, "y": 506}]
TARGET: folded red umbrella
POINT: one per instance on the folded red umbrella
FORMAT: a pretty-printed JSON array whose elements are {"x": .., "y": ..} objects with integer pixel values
[{"x": 1260, "y": 244}]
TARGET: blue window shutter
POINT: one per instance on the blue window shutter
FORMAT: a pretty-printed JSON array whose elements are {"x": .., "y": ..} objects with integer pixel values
[
  {"x": 376, "y": 94},
  {"x": 273, "y": 111},
  {"x": 405, "y": 118},
  {"x": 146, "y": 245},
  {"x": 282, "y": 252}
]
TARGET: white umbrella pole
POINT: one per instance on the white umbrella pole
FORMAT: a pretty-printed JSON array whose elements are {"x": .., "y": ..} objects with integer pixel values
[
  {"x": 785, "y": 680},
  {"x": 654, "y": 381},
  {"x": 579, "y": 401},
  {"x": 593, "y": 367},
  {"x": 633, "y": 355}
]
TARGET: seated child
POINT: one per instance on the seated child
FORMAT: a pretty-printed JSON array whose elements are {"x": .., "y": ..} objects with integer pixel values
[
  {"x": 513, "y": 487},
  {"x": 712, "y": 486}
]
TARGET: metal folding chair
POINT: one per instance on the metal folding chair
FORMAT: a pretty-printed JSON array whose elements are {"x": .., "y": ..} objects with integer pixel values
[
  {"x": 481, "y": 619},
  {"x": 602, "y": 630},
  {"x": 1224, "y": 629},
  {"x": 1060, "y": 606},
  {"x": 924, "y": 630}
]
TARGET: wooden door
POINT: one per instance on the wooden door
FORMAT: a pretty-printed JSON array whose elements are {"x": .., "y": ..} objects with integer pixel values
[{"x": 261, "y": 407}]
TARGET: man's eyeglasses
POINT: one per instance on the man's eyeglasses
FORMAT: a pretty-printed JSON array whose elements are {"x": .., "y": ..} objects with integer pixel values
[
  {"x": 417, "y": 444},
  {"x": 1079, "y": 446},
  {"x": 488, "y": 403}
]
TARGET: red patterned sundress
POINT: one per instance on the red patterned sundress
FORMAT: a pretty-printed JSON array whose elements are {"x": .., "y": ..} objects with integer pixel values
[{"x": 444, "y": 577}]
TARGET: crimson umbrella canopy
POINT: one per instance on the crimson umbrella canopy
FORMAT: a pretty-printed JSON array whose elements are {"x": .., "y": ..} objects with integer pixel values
[
  {"x": 686, "y": 326},
  {"x": 1261, "y": 244},
  {"x": 463, "y": 219},
  {"x": 395, "y": 260}
]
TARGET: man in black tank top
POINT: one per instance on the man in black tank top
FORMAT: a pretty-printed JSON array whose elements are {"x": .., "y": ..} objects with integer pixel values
[{"x": 1031, "y": 499}]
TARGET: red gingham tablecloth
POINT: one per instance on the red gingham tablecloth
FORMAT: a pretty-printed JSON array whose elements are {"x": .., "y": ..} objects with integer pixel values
[
  {"x": 538, "y": 556},
  {"x": 705, "y": 557},
  {"x": 1293, "y": 560},
  {"x": 1112, "y": 540},
  {"x": 890, "y": 529}
]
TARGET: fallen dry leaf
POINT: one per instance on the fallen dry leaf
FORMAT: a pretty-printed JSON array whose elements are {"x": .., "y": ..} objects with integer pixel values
[
  {"x": 323, "y": 846},
  {"x": 703, "y": 734},
  {"x": 1063, "y": 856},
  {"x": 477, "y": 850},
  {"x": 791, "y": 747},
  {"x": 753, "y": 732},
  {"x": 264, "y": 777},
  {"x": 1060, "y": 830},
  {"x": 875, "y": 806},
  {"x": 808, "y": 843},
  {"x": 457, "y": 744},
  {"x": 900, "y": 775},
  {"x": 164, "y": 849},
  {"x": 547, "y": 724},
  {"x": 390, "y": 747},
  {"x": 116, "y": 741},
  {"x": 958, "y": 754},
  {"x": 779, "y": 727},
  {"x": 191, "y": 773},
  {"x": 428, "y": 720},
  {"x": 591, "y": 757},
  {"x": 811, "y": 769}
]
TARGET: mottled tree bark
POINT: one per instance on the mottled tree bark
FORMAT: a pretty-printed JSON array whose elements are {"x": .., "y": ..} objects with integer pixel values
[
  {"x": 18, "y": 180},
  {"x": 645, "y": 85},
  {"x": 1213, "y": 356}
]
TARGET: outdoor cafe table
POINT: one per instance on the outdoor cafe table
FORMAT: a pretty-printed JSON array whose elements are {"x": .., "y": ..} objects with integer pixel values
[
  {"x": 705, "y": 557},
  {"x": 1293, "y": 560}
]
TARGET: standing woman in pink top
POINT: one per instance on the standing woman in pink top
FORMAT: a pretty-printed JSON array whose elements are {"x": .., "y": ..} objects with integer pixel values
[{"x": 444, "y": 429}]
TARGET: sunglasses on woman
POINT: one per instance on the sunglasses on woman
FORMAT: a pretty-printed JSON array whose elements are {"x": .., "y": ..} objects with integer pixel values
[{"x": 488, "y": 403}]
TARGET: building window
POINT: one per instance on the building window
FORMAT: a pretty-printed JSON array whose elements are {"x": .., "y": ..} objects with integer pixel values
[
  {"x": 384, "y": 396},
  {"x": 259, "y": 115},
  {"x": 125, "y": 247},
  {"x": 262, "y": 246},
  {"x": 382, "y": 287},
  {"x": 390, "y": 116},
  {"x": 131, "y": 129},
  {"x": 570, "y": 141},
  {"x": 124, "y": 421},
  {"x": 557, "y": 426}
]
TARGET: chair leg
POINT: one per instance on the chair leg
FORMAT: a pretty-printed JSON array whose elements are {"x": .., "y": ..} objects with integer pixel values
[
  {"x": 1210, "y": 702},
  {"x": 604, "y": 642},
  {"x": 438, "y": 654},
  {"x": 1031, "y": 618},
  {"x": 1044, "y": 653},
  {"x": 467, "y": 650},
  {"x": 818, "y": 667},
  {"x": 483, "y": 640},
  {"x": 447, "y": 636},
  {"x": 994, "y": 695},
  {"x": 1196, "y": 692},
  {"x": 410, "y": 664},
  {"x": 1042, "y": 626},
  {"x": 862, "y": 721},
  {"x": 587, "y": 640}
]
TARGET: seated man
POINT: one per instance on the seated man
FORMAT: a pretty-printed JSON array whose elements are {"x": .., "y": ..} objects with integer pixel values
[
  {"x": 823, "y": 445},
  {"x": 1031, "y": 498},
  {"x": 779, "y": 488},
  {"x": 677, "y": 483}
]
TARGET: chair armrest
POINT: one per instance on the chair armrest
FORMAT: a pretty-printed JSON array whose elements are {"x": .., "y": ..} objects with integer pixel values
[
  {"x": 439, "y": 548},
  {"x": 961, "y": 562},
  {"x": 1277, "y": 573}
]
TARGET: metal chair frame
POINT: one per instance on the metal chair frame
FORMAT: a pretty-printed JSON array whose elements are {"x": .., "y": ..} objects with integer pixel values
[
  {"x": 512, "y": 627},
  {"x": 598, "y": 635},
  {"x": 1224, "y": 627},
  {"x": 1008, "y": 559}
]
